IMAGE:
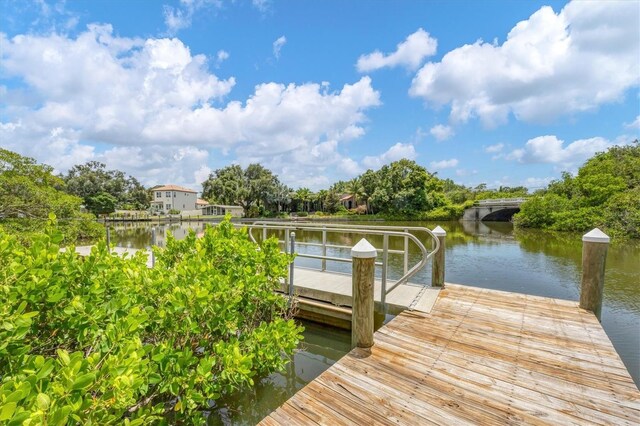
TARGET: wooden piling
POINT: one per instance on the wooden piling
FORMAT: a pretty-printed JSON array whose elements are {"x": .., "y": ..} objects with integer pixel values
[
  {"x": 364, "y": 258},
  {"x": 594, "y": 254},
  {"x": 437, "y": 271}
]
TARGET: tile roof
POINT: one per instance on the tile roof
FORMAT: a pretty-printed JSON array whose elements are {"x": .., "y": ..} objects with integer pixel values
[{"x": 173, "y": 188}]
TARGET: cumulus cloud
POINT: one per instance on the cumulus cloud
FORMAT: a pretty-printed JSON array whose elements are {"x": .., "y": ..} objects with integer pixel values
[
  {"x": 277, "y": 46},
  {"x": 441, "y": 132},
  {"x": 494, "y": 149},
  {"x": 550, "y": 64},
  {"x": 549, "y": 149},
  {"x": 444, "y": 164},
  {"x": 152, "y": 99},
  {"x": 409, "y": 54},
  {"x": 395, "y": 153},
  {"x": 635, "y": 124}
]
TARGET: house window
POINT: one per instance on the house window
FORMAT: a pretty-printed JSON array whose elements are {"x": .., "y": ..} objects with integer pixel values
[
  {"x": 167, "y": 207},
  {"x": 167, "y": 194},
  {"x": 158, "y": 194},
  {"x": 174, "y": 194},
  {"x": 183, "y": 206}
]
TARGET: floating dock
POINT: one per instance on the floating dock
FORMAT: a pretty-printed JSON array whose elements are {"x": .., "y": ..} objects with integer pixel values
[{"x": 479, "y": 357}]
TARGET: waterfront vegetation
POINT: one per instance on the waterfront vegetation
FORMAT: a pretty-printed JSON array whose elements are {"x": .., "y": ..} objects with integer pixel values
[
  {"x": 29, "y": 192},
  {"x": 605, "y": 193},
  {"x": 105, "y": 339}
]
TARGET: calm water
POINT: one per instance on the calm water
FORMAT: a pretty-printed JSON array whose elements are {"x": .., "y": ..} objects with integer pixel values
[{"x": 487, "y": 255}]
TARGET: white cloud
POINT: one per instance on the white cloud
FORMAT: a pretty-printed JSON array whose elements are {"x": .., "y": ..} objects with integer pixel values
[
  {"x": 146, "y": 101},
  {"x": 277, "y": 46},
  {"x": 493, "y": 149},
  {"x": 178, "y": 18},
  {"x": 444, "y": 164},
  {"x": 395, "y": 153},
  {"x": 409, "y": 54},
  {"x": 635, "y": 124},
  {"x": 549, "y": 149},
  {"x": 550, "y": 65},
  {"x": 441, "y": 132},
  {"x": 533, "y": 183},
  {"x": 221, "y": 56}
]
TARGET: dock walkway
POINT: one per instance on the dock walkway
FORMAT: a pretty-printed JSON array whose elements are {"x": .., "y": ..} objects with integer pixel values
[{"x": 480, "y": 357}]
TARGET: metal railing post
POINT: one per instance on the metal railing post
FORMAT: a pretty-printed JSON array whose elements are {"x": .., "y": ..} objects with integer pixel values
[
  {"x": 324, "y": 248},
  {"x": 385, "y": 262},
  {"x": 406, "y": 252},
  {"x": 292, "y": 267},
  {"x": 264, "y": 233}
]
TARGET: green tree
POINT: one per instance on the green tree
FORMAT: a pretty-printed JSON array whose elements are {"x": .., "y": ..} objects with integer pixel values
[
  {"x": 604, "y": 193},
  {"x": 254, "y": 186},
  {"x": 91, "y": 179},
  {"x": 102, "y": 203},
  {"x": 29, "y": 192}
]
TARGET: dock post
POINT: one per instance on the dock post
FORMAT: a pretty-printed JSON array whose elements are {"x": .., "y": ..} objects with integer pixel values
[
  {"x": 363, "y": 255},
  {"x": 437, "y": 270},
  {"x": 594, "y": 254}
]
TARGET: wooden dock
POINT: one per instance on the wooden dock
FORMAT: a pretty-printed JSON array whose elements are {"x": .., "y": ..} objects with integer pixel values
[{"x": 480, "y": 357}]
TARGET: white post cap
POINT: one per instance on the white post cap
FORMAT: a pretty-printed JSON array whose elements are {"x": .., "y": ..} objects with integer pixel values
[
  {"x": 439, "y": 232},
  {"x": 363, "y": 250},
  {"x": 595, "y": 236}
]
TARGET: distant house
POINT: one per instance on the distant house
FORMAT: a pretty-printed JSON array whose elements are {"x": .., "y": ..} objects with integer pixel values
[
  {"x": 218, "y": 209},
  {"x": 349, "y": 201},
  {"x": 172, "y": 197}
]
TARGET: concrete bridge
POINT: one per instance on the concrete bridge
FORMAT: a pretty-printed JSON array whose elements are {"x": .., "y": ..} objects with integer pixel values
[{"x": 498, "y": 210}]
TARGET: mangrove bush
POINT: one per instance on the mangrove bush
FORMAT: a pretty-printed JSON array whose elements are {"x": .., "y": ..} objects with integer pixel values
[{"x": 105, "y": 339}]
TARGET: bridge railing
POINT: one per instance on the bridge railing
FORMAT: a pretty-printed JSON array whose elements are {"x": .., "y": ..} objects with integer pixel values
[
  {"x": 501, "y": 201},
  {"x": 406, "y": 233}
]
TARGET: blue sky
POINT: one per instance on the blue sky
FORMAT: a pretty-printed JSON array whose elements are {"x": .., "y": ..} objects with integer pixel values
[{"x": 496, "y": 92}]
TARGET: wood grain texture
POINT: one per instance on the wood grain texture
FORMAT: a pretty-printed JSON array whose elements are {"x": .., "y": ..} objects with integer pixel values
[
  {"x": 480, "y": 357},
  {"x": 594, "y": 256},
  {"x": 437, "y": 271},
  {"x": 362, "y": 310}
]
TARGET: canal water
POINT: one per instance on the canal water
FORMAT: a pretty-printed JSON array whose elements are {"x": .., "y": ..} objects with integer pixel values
[{"x": 487, "y": 255}]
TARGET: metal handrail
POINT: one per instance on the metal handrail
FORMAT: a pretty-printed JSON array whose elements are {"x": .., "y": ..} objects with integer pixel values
[
  {"x": 384, "y": 231},
  {"x": 491, "y": 201}
]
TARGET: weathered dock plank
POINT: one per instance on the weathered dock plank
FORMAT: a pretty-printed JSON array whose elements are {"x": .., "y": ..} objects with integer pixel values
[{"x": 479, "y": 357}]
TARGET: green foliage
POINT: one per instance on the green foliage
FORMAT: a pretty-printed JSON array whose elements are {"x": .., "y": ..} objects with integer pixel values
[
  {"x": 105, "y": 340},
  {"x": 253, "y": 186},
  {"x": 102, "y": 203},
  {"x": 29, "y": 192},
  {"x": 605, "y": 193},
  {"x": 174, "y": 211},
  {"x": 92, "y": 182}
]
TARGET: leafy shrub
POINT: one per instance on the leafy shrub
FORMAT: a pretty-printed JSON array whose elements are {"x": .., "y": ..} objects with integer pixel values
[
  {"x": 174, "y": 211},
  {"x": 105, "y": 340},
  {"x": 448, "y": 212}
]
